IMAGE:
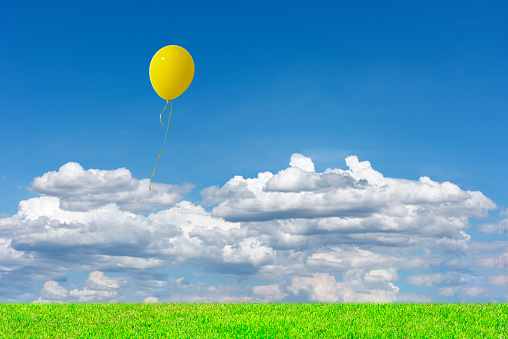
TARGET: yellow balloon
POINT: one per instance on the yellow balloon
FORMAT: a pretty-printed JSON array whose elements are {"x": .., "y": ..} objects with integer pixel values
[{"x": 171, "y": 71}]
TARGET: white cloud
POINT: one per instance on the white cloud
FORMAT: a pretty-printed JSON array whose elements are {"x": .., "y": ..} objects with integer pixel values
[
  {"x": 87, "y": 295},
  {"x": 44, "y": 227},
  {"x": 500, "y": 227},
  {"x": 269, "y": 292},
  {"x": 473, "y": 291},
  {"x": 248, "y": 250},
  {"x": 151, "y": 300},
  {"x": 299, "y": 228},
  {"x": 452, "y": 278},
  {"x": 359, "y": 258},
  {"x": 52, "y": 291},
  {"x": 448, "y": 291},
  {"x": 359, "y": 192},
  {"x": 10, "y": 259},
  {"x": 98, "y": 281},
  {"x": 467, "y": 291},
  {"x": 427, "y": 279},
  {"x": 302, "y": 162},
  {"x": 187, "y": 216},
  {"x": 322, "y": 287},
  {"x": 80, "y": 190},
  {"x": 457, "y": 243},
  {"x": 380, "y": 275},
  {"x": 500, "y": 280},
  {"x": 97, "y": 287},
  {"x": 500, "y": 261}
]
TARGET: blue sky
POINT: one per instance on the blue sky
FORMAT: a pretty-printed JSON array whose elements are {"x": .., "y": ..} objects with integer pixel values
[{"x": 416, "y": 89}]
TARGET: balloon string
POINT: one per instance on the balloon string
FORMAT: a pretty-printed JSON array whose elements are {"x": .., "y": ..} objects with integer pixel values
[
  {"x": 160, "y": 116},
  {"x": 167, "y": 128}
]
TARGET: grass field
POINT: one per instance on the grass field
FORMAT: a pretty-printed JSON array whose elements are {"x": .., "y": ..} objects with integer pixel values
[{"x": 263, "y": 320}]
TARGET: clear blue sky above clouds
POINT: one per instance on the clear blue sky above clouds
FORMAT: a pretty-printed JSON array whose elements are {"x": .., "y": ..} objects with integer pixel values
[{"x": 415, "y": 88}]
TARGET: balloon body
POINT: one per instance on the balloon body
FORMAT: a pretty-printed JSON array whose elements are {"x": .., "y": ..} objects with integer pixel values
[{"x": 171, "y": 71}]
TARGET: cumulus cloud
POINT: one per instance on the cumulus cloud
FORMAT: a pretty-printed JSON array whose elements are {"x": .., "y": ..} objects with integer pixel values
[
  {"x": 270, "y": 292},
  {"x": 43, "y": 227},
  {"x": 248, "y": 250},
  {"x": 151, "y": 300},
  {"x": 322, "y": 287},
  {"x": 358, "y": 192},
  {"x": 98, "y": 281},
  {"x": 10, "y": 259},
  {"x": 340, "y": 235},
  {"x": 500, "y": 280},
  {"x": 82, "y": 190},
  {"x": 458, "y": 242},
  {"x": 500, "y": 227},
  {"x": 359, "y": 258},
  {"x": 96, "y": 288},
  {"x": 87, "y": 295},
  {"x": 380, "y": 275},
  {"x": 53, "y": 292},
  {"x": 499, "y": 261},
  {"x": 301, "y": 162}
]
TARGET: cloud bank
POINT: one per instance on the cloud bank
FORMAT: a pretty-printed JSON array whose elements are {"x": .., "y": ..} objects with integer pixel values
[
  {"x": 80, "y": 190},
  {"x": 343, "y": 235}
]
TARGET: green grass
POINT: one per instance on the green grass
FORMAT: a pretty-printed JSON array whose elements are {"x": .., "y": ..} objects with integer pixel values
[{"x": 177, "y": 320}]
